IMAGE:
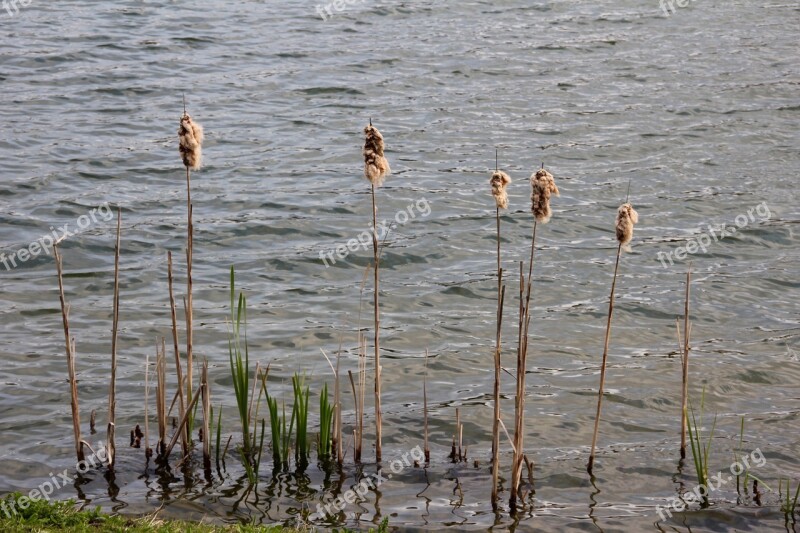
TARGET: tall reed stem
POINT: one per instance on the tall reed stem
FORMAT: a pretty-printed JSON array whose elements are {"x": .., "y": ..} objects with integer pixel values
[
  {"x": 178, "y": 370},
  {"x": 376, "y": 258},
  {"x": 189, "y": 300},
  {"x": 605, "y": 358},
  {"x": 427, "y": 449},
  {"x": 206, "y": 393},
  {"x": 497, "y": 370},
  {"x": 685, "y": 388},
  {"x": 112, "y": 387},
  {"x": 161, "y": 396},
  {"x": 70, "y": 346}
]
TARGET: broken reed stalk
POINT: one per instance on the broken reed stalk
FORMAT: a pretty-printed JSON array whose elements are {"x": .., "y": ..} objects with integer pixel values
[
  {"x": 499, "y": 181},
  {"x": 376, "y": 168},
  {"x": 190, "y": 137},
  {"x": 425, "y": 410},
  {"x": 337, "y": 415},
  {"x": 178, "y": 370},
  {"x": 112, "y": 387},
  {"x": 626, "y": 218},
  {"x": 685, "y": 361},
  {"x": 161, "y": 396},
  {"x": 70, "y": 348},
  {"x": 182, "y": 424},
  {"x": 206, "y": 393}
]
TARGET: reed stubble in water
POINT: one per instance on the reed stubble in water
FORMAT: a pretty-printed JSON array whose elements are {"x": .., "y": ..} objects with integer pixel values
[
  {"x": 376, "y": 168},
  {"x": 627, "y": 217},
  {"x": 498, "y": 182}
]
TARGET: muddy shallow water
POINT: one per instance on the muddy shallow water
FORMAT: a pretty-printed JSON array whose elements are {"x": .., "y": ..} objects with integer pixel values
[{"x": 697, "y": 110}]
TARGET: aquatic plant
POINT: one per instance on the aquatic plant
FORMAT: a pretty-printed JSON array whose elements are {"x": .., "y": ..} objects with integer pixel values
[
  {"x": 626, "y": 218},
  {"x": 239, "y": 359},
  {"x": 498, "y": 182},
  {"x": 687, "y": 332},
  {"x": 300, "y": 417},
  {"x": 700, "y": 449},
  {"x": 190, "y": 141},
  {"x": 70, "y": 345},
  {"x": 178, "y": 370},
  {"x": 376, "y": 168},
  {"x": 543, "y": 185},
  {"x": 325, "y": 424},
  {"x": 789, "y": 504},
  {"x": 112, "y": 386}
]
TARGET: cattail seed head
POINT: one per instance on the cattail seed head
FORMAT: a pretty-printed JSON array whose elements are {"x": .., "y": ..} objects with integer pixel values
[
  {"x": 542, "y": 186},
  {"x": 376, "y": 167},
  {"x": 190, "y": 136},
  {"x": 499, "y": 182},
  {"x": 626, "y": 218}
]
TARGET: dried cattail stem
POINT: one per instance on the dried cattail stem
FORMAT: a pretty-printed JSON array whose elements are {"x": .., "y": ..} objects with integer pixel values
[
  {"x": 626, "y": 218},
  {"x": 70, "y": 347},
  {"x": 499, "y": 181},
  {"x": 376, "y": 167},
  {"x": 206, "y": 392},
  {"x": 161, "y": 397},
  {"x": 543, "y": 185},
  {"x": 685, "y": 366},
  {"x": 112, "y": 387},
  {"x": 426, "y": 447}
]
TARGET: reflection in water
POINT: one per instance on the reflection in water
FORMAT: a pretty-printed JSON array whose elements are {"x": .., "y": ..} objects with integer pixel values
[{"x": 593, "y": 502}]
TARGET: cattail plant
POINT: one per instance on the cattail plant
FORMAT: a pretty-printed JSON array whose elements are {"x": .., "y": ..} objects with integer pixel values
[
  {"x": 137, "y": 443},
  {"x": 70, "y": 345},
  {"x": 112, "y": 387},
  {"x": 358, "y": 397},
  {"x": 627, "y": 217},
  {"x": 376, "y": 168},
  {"x": 426, "y": 447},
  {"x": 499, "y": 181},
  {"x": 190, "y": 137},
  {"x": 543, "y": 186}
]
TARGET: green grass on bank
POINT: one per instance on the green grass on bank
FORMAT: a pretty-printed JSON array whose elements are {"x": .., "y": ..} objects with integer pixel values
[{"x": 63, "y": 517}]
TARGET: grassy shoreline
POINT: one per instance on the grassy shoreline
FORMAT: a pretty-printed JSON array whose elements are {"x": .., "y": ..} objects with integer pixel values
[{"x": 63, "y": 517}]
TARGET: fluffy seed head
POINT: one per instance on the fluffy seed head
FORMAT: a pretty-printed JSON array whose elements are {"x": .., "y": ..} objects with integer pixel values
[
  {"x": 626, "y": 218},
  {"x": 190, "y": 137},
  {"x": 499, "y": 182},
  {"x": 542, "y": 186},
  {"x": 376, "y": 167}
]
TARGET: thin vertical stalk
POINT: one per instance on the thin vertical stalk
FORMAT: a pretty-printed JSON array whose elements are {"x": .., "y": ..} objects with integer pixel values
[
  {"x": 161, "y": 396},
  {"x": 605, "y": 358},
  {"x": 685, "y": 384},
  {"x": 147, "y": 451},
  {"x": 112, "y": 387},
  {"x": 70, "y": 348},
  {"x": 189, "y": 300},
  {"x": 206, "y": 393},
  {"x": 376, "y": 258},
  {"x": 178, "y": 370},
  {"x": 497, "y": 370},
  {"x": 425, "y": 410}
]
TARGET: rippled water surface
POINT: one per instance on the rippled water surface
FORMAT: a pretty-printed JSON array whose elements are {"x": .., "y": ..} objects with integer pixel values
[{"x": 698, "y": 111}]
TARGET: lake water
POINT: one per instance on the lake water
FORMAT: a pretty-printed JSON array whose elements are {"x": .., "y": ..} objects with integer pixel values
[{"x": 697, "y": 111}]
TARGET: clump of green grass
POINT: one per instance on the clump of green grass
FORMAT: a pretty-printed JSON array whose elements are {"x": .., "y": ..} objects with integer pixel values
[
  {"x": 300, "y": 417},
  {"x": 325, "y": 425},
  {"x": 701, "y": 450},
  {"x": 281, "y": 435},
  {"x": 789, "y": 504}
]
